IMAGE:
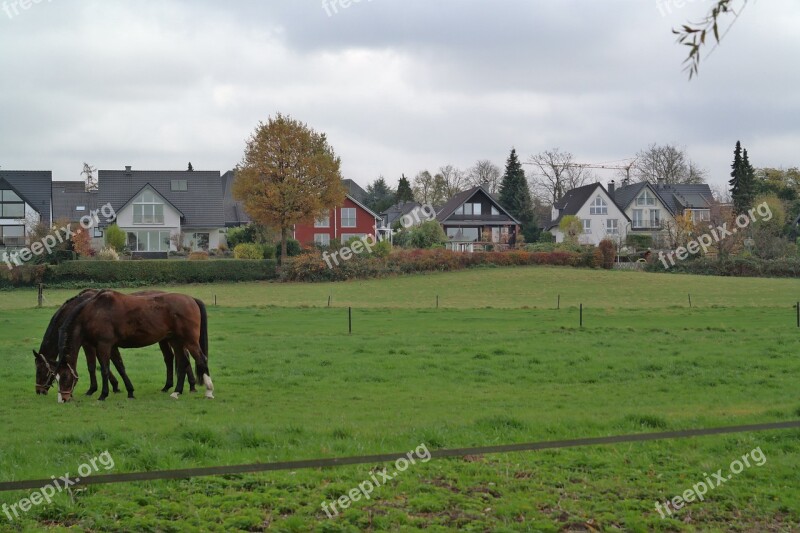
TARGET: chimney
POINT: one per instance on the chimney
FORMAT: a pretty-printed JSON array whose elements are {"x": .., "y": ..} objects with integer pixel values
[
  {"x": 611, "y": 187},
  {"x": 660, "y": 182},
  {"x": 128, "y": 169}
]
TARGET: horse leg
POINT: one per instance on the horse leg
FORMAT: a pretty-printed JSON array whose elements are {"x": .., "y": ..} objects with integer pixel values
[
  {"x": 116, "y": 358},
  {"x": 169, "y": 359},
  {"x": 180, "y": 367},
  {"x": 190, "y": 376},
  {"x": 104, "y": 371},
  {"x": 91, "y": 366},
  {"x": 201, "y": 364}
]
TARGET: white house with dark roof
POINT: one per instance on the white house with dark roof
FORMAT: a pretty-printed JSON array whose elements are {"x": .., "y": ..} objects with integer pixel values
[
  {"x": 600, "y": 215},
  {"x": 475, "y": 216},
  {"x": 160, "y": 209},
  {"x": 25, "y": 201}
]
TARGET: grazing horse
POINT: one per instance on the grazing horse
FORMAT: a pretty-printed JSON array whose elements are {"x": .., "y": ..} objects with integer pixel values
[
  {"x": 111, "y": 319},
  {"x": 47, "y": 356}
]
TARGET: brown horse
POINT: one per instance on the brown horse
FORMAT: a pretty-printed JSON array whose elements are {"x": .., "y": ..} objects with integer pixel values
[
  {"x": 111, "y": 319},
  {"x": 47, "y": 356}
]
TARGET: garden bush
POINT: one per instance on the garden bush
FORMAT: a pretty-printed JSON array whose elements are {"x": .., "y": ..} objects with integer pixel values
[{"x": 248, "y": 251}]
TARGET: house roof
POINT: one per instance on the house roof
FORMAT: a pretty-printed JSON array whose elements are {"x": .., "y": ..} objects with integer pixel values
[
  {"x": 628, "y": 193},
  {"x": 397, "y": 211},
  {"x": 235, "y": 214},
  {"x": 33, "y": 186},
  {"x": 575, "y": 199},
  {"x": 365, "y": 208},
  {"x": 202, "y": 205},
  {"x": 676, "y": 197},
  {"x": 447, "y": 210},
  {"x": 68, "y": 196},
  {"x": 354, "y": 191}
]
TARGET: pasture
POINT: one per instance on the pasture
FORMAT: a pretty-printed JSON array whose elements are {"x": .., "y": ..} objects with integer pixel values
[{"x": 495, "y": 364}]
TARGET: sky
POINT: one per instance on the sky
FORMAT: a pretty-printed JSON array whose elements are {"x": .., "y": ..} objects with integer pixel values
[{"x": 398, "y": 86}]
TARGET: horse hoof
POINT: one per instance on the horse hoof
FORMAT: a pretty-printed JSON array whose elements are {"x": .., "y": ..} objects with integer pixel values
[
  {"x": 209, "y": 395},
  {"x": 90, "y": 392},
  {"x": 175, "y": 395},
  {"x": 101, "y": 399},
  {"x": 131, "y": 397},
  {"x": 166, "y": 389},
  {"x": 192, "y": 390}
]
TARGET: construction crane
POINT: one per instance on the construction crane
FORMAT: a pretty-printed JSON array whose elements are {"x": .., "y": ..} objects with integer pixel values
[{"x": 626, "y": 168}]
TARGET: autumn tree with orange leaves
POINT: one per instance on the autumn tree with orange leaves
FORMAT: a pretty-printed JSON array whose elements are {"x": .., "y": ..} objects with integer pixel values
[{"x": 289, "y": 175}]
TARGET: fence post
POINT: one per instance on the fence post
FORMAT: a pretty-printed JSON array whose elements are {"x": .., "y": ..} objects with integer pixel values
[
  {"x": 581, "y": 315},
  {"x": 41, "y": 295},
  {"x": 350, "y": 319},
  {"x": 558, "y": 305},
  {"x": 690, "y": 301}
]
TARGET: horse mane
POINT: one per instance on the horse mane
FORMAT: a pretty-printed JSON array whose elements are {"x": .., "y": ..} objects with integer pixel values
[
  {"x": 53, "y": 327},
  {"x": 64, "y": 337}
]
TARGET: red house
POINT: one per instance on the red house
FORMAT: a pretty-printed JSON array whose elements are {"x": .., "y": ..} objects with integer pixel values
[{"x": 352, "y": 219}]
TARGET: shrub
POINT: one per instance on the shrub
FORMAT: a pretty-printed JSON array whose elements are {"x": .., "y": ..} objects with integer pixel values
[
  {"x": 546, "y": 236},
  {"x": 198, "y": 256},
  {"x": 609, "y": 250},
  {"x": 116, "y": 238},
  {"x": 382, "y": 249},
  {"x": 248, "y": 251},
  {"x": 108, "y": 254},
  {"x": 639, "y": 241},
  {"x": 293, "y": 248},
  {"x": 428, "y": 234}
]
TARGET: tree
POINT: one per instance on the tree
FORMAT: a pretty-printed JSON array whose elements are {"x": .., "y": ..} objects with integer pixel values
[
  {"x": 427, "y": 235},
  {"x": 429, "y": 189},
  {"x": 81, "y": 241},
  {"x": 115, "y": 238},
  {"x": 741, "y": 182},
  {"x": 557, "y": 173},
  {"x": 667, "y": 163},
  {"x": 485, "y": 173},
  {"x": 190, "y": 168},
  {"x": 379, "y": 195},
  {"x": 571, "y": 227},
  {"x": 404, "y": 192},
  {"x": 515, "y": 197},
  {"x": 289, "y": 174},
  {"x": 453, "y": 181},
  {"x": 694, "y": 34}
]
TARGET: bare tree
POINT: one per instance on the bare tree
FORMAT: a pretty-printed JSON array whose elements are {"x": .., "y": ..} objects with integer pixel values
[
  {"x": 555, "y": 174},
  {"x": 91, "y": 182},
  {"x": 668, "y": 163},
  {"x": 430, "y": 189},
  {"x": 485, "y": 173},
  {"x": 454, "y": 180}
]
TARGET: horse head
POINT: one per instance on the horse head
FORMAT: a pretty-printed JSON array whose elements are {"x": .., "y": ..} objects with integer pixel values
[{"x": 44, "y": 373}]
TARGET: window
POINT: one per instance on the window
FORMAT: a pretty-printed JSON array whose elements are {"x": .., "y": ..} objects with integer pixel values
[
  {"x": 598, "y": 207},
  {"x": 611, "y": 226},
  {"x": 11, "y": 205},
  {"x": 655, "y": 218},
  {"x": 587, "y": 225},
  {"x": 148, "y": 209},
  {"x": 323, "y": 222},
  {"x": 495, "y": 211},
  {"x": 201, "y": 241},
  {"x": 476, "y": 209},
  {"x": 179, "y": 185},
  {"x": 463, "y": 234},
  {"x": 699, "y": 215},
  {"x": 12, "y": 235},
  {"x": 80, "y": 208},
  {"x": 646, "y": 198},
  {"x": 347, "y": 236},
  {"x": 638, "y": 218},
  {"x": 348, "y": 217},
  {"x": 322, "y": 239},
  {"x": 149, "y": 241},
  {"x": 98, "y": 233}
]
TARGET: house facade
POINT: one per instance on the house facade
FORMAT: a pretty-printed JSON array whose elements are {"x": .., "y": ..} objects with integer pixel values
[
  {"x": 342, "y": 223},
  {"x": 25, "y": 201},
  {"x": 161, "y": 211},
  {"x": 600, "y": 215},
  {"x": 475, "y": 217}
]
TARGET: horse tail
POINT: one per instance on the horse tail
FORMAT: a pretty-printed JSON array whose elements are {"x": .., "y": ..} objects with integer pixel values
[{"x": 203, "y": 328}]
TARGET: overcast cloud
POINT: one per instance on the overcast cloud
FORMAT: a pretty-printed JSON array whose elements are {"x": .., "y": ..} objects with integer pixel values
[{"x": 398, "y": 85}]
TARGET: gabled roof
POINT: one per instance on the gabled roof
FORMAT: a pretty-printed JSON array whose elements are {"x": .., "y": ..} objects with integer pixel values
[
  {"x": 202, "y": 205},
  {"x": 354, "y": 191},
  {"x": 681, "y": 196},
  {"x": 148, "y": 186},
  {"x": 628, "y": 193},
  {"x": 68, "y": 196},
  {"x": 365, "y": 208},
  {"x": 575, "y": 199},
  {"x": 33, "y": 186},
  {"x": 235, "y": 214},
  {"x": 447, "y": 210},
  {"x": 397, "y": 211}
]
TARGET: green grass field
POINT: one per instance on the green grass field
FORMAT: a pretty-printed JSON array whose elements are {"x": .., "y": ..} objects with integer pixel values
[{"x": 495, "y": 364}]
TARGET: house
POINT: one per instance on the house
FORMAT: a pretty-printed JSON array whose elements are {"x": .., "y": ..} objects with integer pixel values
[
  {"x": 72, "y": 202},
  {"x": 600, "y": 215},
  {"x": 235, "y": 214},
  {"x": 475, "y": 216},
  {"x": 342, "y": 223},
  {"x": 25, "y": 201},
  {"x": 161, "y": 211},
  {"x": 652, "y": 208}
]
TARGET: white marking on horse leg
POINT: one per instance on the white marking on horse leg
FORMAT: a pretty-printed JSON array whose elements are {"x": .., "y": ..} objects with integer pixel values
[
  {"x": 60, "y": 399},
  {"x": 207, "y": 380},
  {"x": 175, "y": 395}
]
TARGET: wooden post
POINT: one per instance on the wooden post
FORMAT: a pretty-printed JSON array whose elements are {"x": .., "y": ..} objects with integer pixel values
[
  {"x": 329, "y": 300},
  {"x": 581, "y": 315},
  {"x": 437, "y": 301},
  {"x": 215, "y": 300},
  {"x": 558, "y": 304},
  {"x": 350, "y": 319},
  {"x": 798, "y": 314},
  {"x": 690, "y": 301},
  {"x": 41, "y": 295}
]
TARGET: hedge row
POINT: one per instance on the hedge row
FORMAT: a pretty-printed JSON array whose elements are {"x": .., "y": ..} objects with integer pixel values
[
  {"x": 138, "y": 273},
  {"x": 733, "y": 266}
]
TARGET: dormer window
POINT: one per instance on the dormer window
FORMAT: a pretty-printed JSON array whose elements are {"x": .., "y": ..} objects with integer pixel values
[
  {"x": 179, "y": 185},
  {"x": 598, "y": 207}
]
